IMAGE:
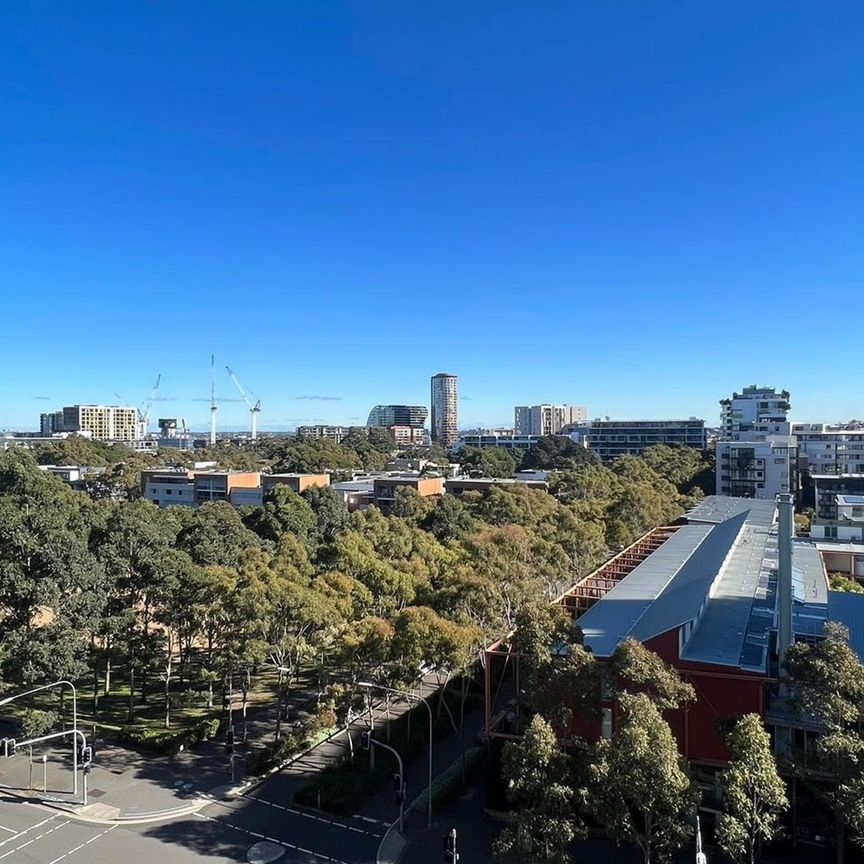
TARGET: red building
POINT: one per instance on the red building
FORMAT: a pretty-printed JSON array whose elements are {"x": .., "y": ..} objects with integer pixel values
[{"x": 708, "y": 596}]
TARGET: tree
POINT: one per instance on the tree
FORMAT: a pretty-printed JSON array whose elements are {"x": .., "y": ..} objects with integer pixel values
[
  {"x": 558, "y": 452},
  {"x": 488, "y": 461},
  {"x": 755, "y": 794},
  {"x": 331, "y": 513},
  {"x": 284, "y": 511},
  {"x": 826, "y": 682},
  {"x": 640, "y": 792},
  {"x": 543, "y": 822},
  {"x": 558, "y": 673},
  {"x": 637, "y": 669}
]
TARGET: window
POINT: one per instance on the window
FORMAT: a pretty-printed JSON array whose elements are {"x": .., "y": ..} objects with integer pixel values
[
  {"x": 607, "y": 723},
  {"x": 831, "y": 532}
]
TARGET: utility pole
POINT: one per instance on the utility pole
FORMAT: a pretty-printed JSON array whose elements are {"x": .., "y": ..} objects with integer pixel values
[
  {"x": 398, "y": 779},
  {"x": 451, "y": 856}
]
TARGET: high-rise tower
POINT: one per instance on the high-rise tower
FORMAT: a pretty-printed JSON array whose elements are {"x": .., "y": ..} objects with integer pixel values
[{"x": 445, "y": 402}]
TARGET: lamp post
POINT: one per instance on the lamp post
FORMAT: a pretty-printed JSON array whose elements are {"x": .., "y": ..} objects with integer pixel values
[
  {"x": 61, "y": 683},
  {"x": 408, "y": 695}
]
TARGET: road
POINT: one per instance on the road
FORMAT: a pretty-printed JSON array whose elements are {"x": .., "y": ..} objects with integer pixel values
[{"x": 222, "y": 832}]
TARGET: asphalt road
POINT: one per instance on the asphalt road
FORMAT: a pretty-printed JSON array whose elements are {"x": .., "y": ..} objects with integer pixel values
[{"x": 222, "y": 832}]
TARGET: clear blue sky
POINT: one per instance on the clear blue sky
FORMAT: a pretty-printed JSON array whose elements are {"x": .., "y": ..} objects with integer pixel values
[{"x": 637, "y": 206}]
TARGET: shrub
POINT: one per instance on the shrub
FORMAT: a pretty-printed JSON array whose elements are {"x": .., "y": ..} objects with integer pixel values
[
  {"x": 448, "y": 784},
  {"x": 169, "y": 741}
]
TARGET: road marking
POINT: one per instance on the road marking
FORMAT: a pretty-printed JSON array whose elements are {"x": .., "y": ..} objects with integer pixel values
[
  {"x": 28, "y": 830},
  {"x": 10, "y": 830},
  {"x": 33, "y": 839},
  {"x": 309, "y": 816},
  {"x": 271, "y": 839},
  {"x": 82, "y": 845}
]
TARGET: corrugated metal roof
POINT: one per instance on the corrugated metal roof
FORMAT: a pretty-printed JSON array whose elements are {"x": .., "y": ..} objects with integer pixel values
[
  {"x": 847, "y": 607},
  {"x": 721, "y": 634},
  {"x": 719, "y": 508},
  {"x": 611, "y": 619},
  {"x": 687, "y": 592}
]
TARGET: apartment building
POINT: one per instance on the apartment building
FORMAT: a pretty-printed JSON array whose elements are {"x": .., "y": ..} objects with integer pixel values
[
  {"x": 460, "y": 485},
  {"x": 296, "y": 482},
  {"x": 495, "y": 438},
  {"x": 612, "y": 438},
  {"x": 102, "y": 422},
  {"x": 331, "y": 433},
  {"x": 412, "y": 416},
  {"x": 839, "y": 507},
  {"x": 445, "y": 409},
  {"x": 752, "y": 410},
  {"x": 762, "y": 467},
  {"x": 546, "y": 419}
]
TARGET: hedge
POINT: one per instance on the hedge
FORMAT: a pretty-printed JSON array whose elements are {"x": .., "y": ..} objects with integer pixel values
[
  {"x": 169, "y": 741},
  {"x": 448, "y": 784}
]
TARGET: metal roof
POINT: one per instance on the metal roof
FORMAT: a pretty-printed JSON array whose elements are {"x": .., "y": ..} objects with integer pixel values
[
  {"x": 610, "y": 620},
  {"x": 850, "y": 499},
  {"x": 847, "y": 608},
  {"x": 686, "y": 594},
  {"x": 721, "y": 633},
  {"x": 719, "y": 508}
]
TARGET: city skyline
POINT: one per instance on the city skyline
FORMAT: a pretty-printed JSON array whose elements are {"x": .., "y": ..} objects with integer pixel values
[{"x": 645, "y": 212}]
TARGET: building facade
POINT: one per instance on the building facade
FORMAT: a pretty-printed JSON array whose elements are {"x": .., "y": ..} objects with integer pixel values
[
  {"x": 412, "y": 416},
  {"x": 546, "y": 419},
  {"x": 612, "y": 438},
  {"x": 759, "y": 468},
  {"x": 101, "y": 422},
  {"x": 445, "y": 409},
  {"x": 495, "y": 438},
  {"x": 752, "y": 410},
  {"x": 384, "y": 489},
  {"x": 839, "y": 507}
]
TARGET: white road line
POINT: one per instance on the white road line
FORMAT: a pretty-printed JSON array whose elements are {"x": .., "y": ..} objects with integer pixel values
[
  {"x": 28, "y": 830},
  {"x": 271, "y": 839},
  {"x": 82, "y": 845},
  {"x": 10, "y": 830},
  {"x": 32, "y": 840},
  {"x": 310, "y": 816}
]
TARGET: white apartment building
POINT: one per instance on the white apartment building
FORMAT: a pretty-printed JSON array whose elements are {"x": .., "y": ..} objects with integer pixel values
[
  {"x": 546, "y": 419},
  {"x": 761, "y": 467},
  {"x": 824, "y": 448},
  {"x": 102, "y": 422},
  {"x": 752, "y": 410}
]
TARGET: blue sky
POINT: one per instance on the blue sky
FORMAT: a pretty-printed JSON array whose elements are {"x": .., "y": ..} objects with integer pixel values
[{"x": 637, "y": 206}]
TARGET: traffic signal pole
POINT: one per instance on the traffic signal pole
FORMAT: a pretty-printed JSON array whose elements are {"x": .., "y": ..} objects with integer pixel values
[{"x": 368, "y": 742}]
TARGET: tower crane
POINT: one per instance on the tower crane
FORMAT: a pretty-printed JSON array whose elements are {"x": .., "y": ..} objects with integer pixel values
[
  {"x": 213, "y": 407},
  {"x": 254, "y": 409},
  {"x": 144, "y": 416}
]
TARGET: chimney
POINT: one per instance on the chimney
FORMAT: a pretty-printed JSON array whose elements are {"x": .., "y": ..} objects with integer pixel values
[{"x": 785, "y": 635}]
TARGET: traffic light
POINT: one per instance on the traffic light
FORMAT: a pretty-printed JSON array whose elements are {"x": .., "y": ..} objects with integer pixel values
[
  {"x": 364, "y": 739},
  {"x": 229, "y": 740},
  {"x": 451, "y": 856},
  {"x": 9, "y": 747},
  {"x": 86, "y": 756}
]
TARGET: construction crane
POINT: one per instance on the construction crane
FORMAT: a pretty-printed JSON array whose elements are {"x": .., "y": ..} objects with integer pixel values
[
  {"x": 213, "y": 407},
  {"x": 144, "y": 416},
  {"x": 254, "y": 409}
]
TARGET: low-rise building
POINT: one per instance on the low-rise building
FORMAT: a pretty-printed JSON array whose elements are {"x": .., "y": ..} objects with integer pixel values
[
  {"x": 384, "y": 488},
  {"x": 612, "y": 438},
  {"x": 331, "y": 433},
  {"x": 356, "y": 494},
  {"x": 495, "y": 438},
  {"x": 459, "y": 485},
  {"x": 839, "y": 507},
  {"x": 296, "y": 482},
  {"x": 166, "y": 487}
]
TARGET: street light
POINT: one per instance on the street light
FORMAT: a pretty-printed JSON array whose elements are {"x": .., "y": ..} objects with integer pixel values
[
  {"x": 408, "y": 695},
  {"x": 61, "y": 683}
]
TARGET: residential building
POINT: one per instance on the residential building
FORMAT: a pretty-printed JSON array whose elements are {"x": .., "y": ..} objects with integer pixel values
[
  {"x": 445, "y": 409},
  {"x": 409, "y": 436},
  {"x": 384, "y": 488},
  {"x": 824, "y": 449},
  {"x": 102, "y": 422},
  {"x": 412, "y": 416},
  {"x": 50, "y": 423},
  {"x": 459, "y": 485},
  {"x": 839, "y": 507},
  {"x": 752, "y": 410},
  {"x": 296, "y": 482},
  {"x": 495, "y": 438},
  {"x": 332, "y": 433},
  {"x": 612, "y": 438},
  {"x": 546, "y": 419},
  {"x": 762, "y": 467}
]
